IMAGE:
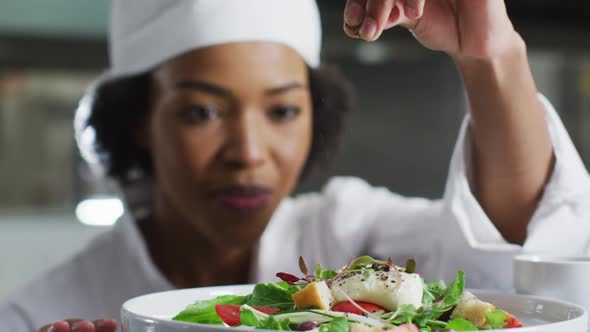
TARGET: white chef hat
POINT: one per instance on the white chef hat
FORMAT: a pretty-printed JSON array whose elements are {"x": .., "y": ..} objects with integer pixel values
[{"x": 145, "y": 33}]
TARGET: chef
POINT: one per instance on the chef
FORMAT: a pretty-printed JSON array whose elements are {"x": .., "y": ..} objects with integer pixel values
[{"x": 211, "y": 112}]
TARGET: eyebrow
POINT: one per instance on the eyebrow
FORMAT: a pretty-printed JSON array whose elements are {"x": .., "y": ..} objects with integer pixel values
[
  {"x": 284, "y": 88},
  {"x": 221, "y": 91},
  {"x": 203, "y": 86}
]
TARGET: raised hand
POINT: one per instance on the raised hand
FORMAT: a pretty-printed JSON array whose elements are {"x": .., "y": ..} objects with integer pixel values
[
  {"x": 80, "y": 325},
  {"x": 461, "y": 28},
  {"x": 513, "y": 154}
]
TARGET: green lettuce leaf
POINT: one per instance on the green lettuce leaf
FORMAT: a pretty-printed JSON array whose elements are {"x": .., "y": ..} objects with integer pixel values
[
  {"x": 455, "y": 290},
  {"x": 451, "y": 298},
  {"x": 273, "y": 295},
  {"x": 426, "y": 317},
  {"x": 433, "y": 290},
  {"x": 252, "y": 317},
  {"x": 204, "y": 311},
  {"x": 363, "y": 262},
  {"x": 323, "y": 274},
  {"x": 404, "y": 314},
  {"x": 460, "y": 324},
  {"x": 339, "y": 324},
  {"x": 496, "y": 319},
  {"x": 271, "y": 323},
  {"x": 248, "y": 318},
  {"x": 289, "y": 288}
]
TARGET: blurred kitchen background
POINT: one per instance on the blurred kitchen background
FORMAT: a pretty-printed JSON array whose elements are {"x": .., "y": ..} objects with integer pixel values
[{"x": 411, "y": 106}]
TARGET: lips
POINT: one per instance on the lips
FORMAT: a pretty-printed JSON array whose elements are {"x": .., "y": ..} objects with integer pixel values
[{"x": 244, "y": 198}]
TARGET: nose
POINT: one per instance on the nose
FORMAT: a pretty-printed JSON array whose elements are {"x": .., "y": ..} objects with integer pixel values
[{"x": 245, "y": 145}]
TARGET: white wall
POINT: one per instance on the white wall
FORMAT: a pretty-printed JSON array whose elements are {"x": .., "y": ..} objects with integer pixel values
[
  {"x": 31, "y": 243},
  {"x": 79, "y": 18}
]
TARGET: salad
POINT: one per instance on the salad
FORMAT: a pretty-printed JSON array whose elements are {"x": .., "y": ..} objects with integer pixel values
[{"x": 367, "y": 295}]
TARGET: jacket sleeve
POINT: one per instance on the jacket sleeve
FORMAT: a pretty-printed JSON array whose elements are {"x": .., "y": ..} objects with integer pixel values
[
  {"x": 13, "y": 319},
  {"x": 561, "y": 223},
  {"x": 350, "y": 218}
]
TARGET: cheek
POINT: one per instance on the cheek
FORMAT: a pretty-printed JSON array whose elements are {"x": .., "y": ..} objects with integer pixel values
[
  {"x": 292, "y": 145},
  {"x": 179, "y": 150}
]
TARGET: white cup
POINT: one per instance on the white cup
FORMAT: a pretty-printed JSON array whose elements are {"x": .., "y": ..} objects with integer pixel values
[{"x": 562, "y": 278}]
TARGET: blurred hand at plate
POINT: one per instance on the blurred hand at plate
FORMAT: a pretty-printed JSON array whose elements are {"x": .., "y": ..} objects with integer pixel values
[
  {"x": 461, "y": 28},
  {"x": 80, "y": 325}
]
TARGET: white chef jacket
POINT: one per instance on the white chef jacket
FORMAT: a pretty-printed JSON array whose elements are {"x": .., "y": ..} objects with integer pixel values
[{"x": 347, "y": 219}]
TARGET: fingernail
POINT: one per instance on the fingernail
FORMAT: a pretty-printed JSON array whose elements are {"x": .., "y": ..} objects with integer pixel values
[
  {"x": 353, "y": 31},
  {"x": 51, "y": 329},
  {"x": 368, "y": 29},
  {"x": 353, "y": 14}
]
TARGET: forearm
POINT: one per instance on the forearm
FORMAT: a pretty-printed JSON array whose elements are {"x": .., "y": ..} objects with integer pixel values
[{"x": 512, "y": 152}]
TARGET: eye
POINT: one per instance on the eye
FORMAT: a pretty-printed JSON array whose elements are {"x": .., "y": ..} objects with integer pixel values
[
  {"x": 198, "y": 114},
  {"x": 284, "y": 113}
]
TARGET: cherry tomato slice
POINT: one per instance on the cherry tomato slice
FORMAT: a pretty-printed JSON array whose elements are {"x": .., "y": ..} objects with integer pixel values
[
  {"x": 230, "y": 313},
  {"x": 351, "y": 308},
  {"x": 512, "y": 322}
]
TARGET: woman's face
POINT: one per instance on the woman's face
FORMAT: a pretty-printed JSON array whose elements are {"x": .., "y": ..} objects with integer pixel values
[{"x": 229, "y": 132}]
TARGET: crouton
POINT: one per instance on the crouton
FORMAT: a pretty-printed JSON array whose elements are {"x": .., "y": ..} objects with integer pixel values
[{"x": 315, "y": 295}]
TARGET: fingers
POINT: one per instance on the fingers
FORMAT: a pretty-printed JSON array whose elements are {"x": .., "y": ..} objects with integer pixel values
[
  {"x": 105, "y": 325},
  {"x": 82, "y": 326},
  {"x": 406, "y": 13},
  {"x": 60, "y": 326},
  {"x": 395, "y": 15},
  {"x": 354, "y": 13},
  {"x": 377, "y": 14},
  {"x": 414, "y": 9},
  {"x": 367, "y": 19},
  {"x": 79, "y": 325}
]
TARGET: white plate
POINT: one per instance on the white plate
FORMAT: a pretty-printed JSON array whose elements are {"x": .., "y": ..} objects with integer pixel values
[{"x": 152, "y": 312}]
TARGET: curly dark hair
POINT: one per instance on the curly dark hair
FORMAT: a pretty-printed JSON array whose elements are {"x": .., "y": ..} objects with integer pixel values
[{"x": 121, "y": 106}]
